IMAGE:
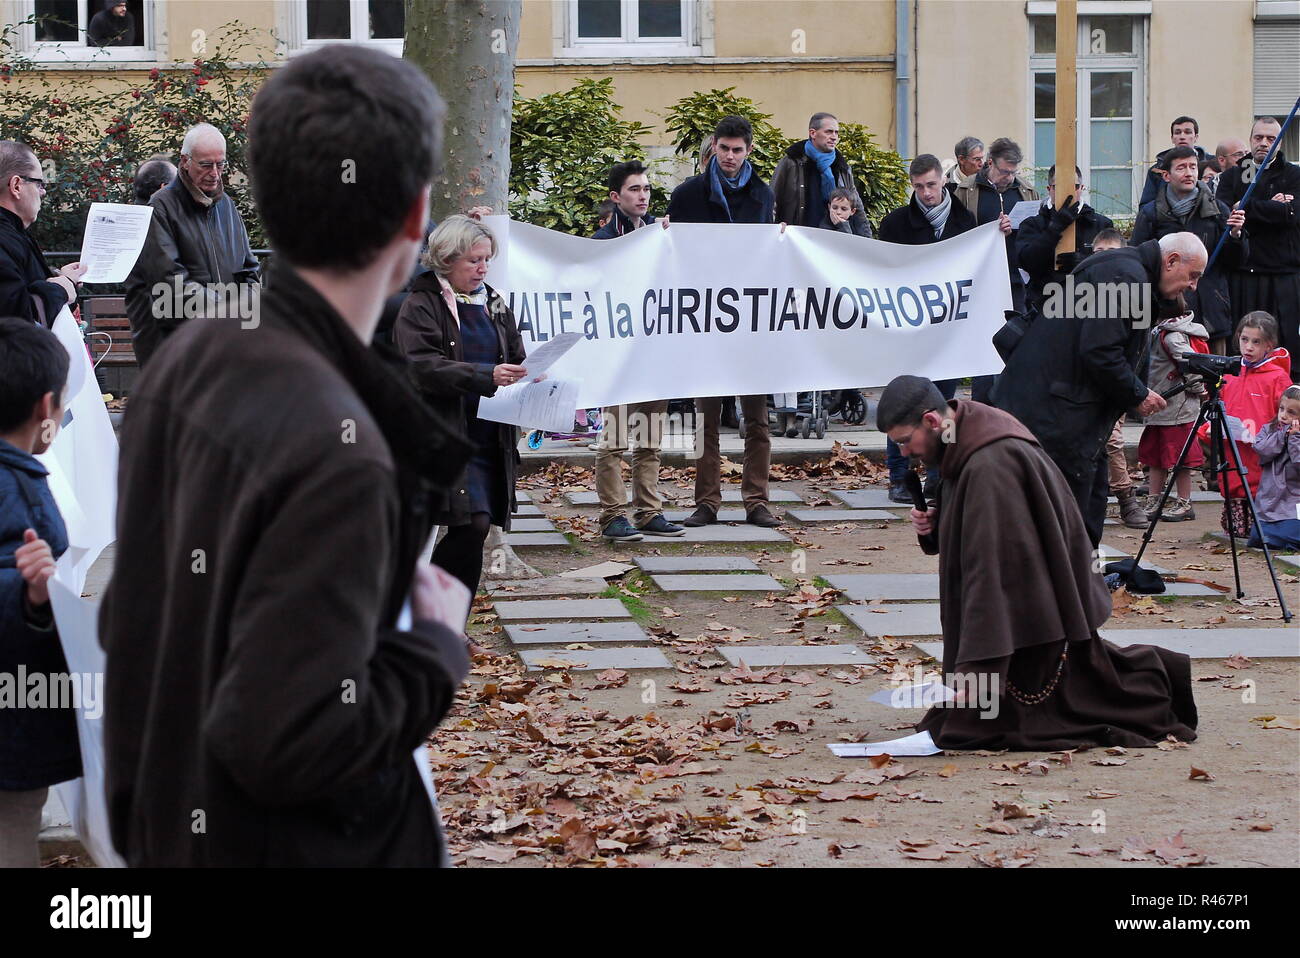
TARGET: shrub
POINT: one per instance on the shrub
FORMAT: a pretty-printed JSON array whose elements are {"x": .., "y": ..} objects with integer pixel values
[
  {"x": 561, "y": 148},
  {"x": 91, "y": 137},
  {"x": 694, "y": 117}
]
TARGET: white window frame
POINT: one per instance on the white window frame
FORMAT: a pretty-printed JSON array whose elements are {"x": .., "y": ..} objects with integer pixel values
[
  {"x": 1086, "y": 64},
  {"x": 83, "y": 51},
  {"x": 294, "y": 25},
  {"x": 628, "y": 45}
]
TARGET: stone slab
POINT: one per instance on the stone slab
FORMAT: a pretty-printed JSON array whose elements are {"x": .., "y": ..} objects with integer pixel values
[
  {"x": 810, "y": 516},
  {"x": 765, "y": 656},
  {"x": 597, "y": 659},
  {"x": 933, "y": 649},
  {"x": 718, "y": 583},
  {"x": 590, "y": 498},
  {"x": 521, "y": 495},
  {"x": 696, "y": 563},
  {"x": 724, "y": 515},
  {"x": 526, "y": 610},
  {"x": 722, "y": 533},
  {"x": 526, "y": 510},
  {"x": 867, "y": 499},
  {"x": 1217, "y": 643},
  {"x": 537, "y": 524},
  {"x": 524, "y": 540},
  {"x": 563, "y": 633},
  {"x": 1193, "y": 588},
  {"x": 917, "y": 618},
  {"x": 891, "y": 587},
  {"x": 548, "y": 587}
]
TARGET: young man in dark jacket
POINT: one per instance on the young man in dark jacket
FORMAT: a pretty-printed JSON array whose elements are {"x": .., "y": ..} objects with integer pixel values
[
  {"x": 809, "y": 172},
  {"x": 38, "y": 740},
  {"x": 1184, "y": 131},
  {"x": 932, "y": 214},
  {"x": 1186, "y": 204},
  {"x": 638, "y": 423},
  {"x": 1269, "y": 278},
  {"x": 729, "y": 191},
  {"x": 1038, "y": 236},
  {"x": 268, "y": 679}
]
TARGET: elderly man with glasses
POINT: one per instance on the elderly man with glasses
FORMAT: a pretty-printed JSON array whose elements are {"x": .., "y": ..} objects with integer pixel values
[
  {"x": 28, "y": 287},
  {"x": 197, "y": 260}
]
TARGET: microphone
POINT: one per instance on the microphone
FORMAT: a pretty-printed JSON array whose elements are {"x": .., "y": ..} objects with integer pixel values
[{"x": 929, "y": 542}]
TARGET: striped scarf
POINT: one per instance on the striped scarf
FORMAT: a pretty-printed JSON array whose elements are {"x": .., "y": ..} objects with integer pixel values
[{"x": 937, "y": 215}]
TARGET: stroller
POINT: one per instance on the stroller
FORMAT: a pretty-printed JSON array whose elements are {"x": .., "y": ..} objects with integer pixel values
[{"x": 808, "y": 413}]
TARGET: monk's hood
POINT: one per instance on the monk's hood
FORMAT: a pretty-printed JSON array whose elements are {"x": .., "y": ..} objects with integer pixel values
[{"x": 977, "y": 425}]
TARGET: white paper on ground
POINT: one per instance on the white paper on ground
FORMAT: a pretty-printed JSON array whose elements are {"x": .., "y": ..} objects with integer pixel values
[
  {"x": 919, "y": 744},
  {"x": 115, "y": 235},
  {"x": 83, "y": 797},
  {"x": 548, "y": 405},
  {"x": 543, "y": 357},
  {"x": 1023, "y": 210},
  {"x": 921, "y": 696},
  {"x": 605, "y": 570}
]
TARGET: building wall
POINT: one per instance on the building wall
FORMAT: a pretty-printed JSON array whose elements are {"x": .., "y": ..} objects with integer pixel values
[
  {"x": 840, "y": 60},
  {"x": 1194, "y": 75},
  {"x": 972, "y": 71}
]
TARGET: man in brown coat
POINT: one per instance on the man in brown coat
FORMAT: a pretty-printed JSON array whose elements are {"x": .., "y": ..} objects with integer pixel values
[
  {"x": 267, "y": 680},
  {"x": 1019, "y": 594}
]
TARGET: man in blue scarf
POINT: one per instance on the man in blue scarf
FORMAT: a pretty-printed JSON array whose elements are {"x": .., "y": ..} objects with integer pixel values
[
  {"x": 810, "y": 172},
  {"x": 729, "y": 191}
]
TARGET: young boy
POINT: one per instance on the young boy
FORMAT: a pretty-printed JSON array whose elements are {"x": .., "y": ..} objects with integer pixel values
[
  {"x": 38, "y": 746},
  {"x": 1108, "y": 239},
  {"x": 1252, "y": 397},
  {"x": 840, "y": 210},
  {"x": 1166, "y": 431}
]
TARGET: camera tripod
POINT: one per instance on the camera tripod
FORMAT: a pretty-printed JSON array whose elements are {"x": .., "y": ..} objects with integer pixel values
[{"x": 1216, "y": 414}]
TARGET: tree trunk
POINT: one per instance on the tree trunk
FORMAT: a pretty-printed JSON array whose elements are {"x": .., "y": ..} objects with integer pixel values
[{"x": 467, "y": 48}]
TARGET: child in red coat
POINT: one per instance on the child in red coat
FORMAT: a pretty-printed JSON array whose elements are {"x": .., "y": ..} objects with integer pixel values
[{"x": 1252, "y": 397}]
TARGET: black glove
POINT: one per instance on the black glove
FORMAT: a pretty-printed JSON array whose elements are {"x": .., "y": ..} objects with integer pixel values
[
  {"x": 1066, "y": 262},
  {"x": 1066, "y": 215}
]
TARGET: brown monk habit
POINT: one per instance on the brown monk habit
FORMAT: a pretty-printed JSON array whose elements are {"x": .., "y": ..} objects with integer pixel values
[{"x": 1017, "y": 588}]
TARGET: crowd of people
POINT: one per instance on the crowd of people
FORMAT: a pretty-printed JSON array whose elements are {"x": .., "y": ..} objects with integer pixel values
[{"x": 278, "y": 643}]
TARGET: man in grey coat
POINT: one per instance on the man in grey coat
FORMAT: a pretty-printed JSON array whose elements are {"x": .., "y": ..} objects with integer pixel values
[{"x": 197, "y": 260}]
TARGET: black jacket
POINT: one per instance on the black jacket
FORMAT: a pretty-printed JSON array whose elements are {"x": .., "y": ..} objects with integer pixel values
[
  {"x": 1155, "y": 180},
  {"x": 1210, "y": 301},
  {"x": 908, "y": 225},
  {"x": 1274, "y": 227},
  {"x": 619, "y": 225},
  {"x": 1072, "y": 376},
  {"x": 262, "y": 708},
  {"x": 38, "y": 746},
  {"x": 106, "y": 30},
  {"x": 427, "y": 332},
  {"x": 792, "y": 184},
  {"x": 692, "y": 202},
  {"x": 24, "y": 274},
  {"x": 1036, "y": 245},
  {"x": 201, "y": 245}
]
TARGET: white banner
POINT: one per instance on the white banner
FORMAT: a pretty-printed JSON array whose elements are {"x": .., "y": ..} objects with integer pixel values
[
  {"x": 734, "y": 309},
  {"x": 82, "y": 460}
]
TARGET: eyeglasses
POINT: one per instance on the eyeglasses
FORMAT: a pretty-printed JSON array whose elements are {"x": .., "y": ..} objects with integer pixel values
[
  {"x": 211, "y": 165},
  {"x": 40, "y": 183},
  {"x": 905, "y": 443}
]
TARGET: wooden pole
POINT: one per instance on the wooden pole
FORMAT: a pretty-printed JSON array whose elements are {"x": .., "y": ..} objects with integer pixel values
[{"x": 1067, "y": 45}]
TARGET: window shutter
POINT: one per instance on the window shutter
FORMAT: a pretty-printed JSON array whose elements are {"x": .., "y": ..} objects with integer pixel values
[{"x": 1277, "y": 78}]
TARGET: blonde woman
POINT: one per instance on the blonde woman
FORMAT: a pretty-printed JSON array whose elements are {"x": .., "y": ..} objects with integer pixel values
[{"x": 462, "y": 343}]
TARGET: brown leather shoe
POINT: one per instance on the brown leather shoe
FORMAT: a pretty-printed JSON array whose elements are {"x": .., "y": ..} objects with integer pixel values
[
  {"x": 702, "y": 516},
  {"x": 762, "y": 516}
]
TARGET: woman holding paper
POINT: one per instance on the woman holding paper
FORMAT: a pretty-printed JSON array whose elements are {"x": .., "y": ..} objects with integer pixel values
[{"x": 462, "y": 343}]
